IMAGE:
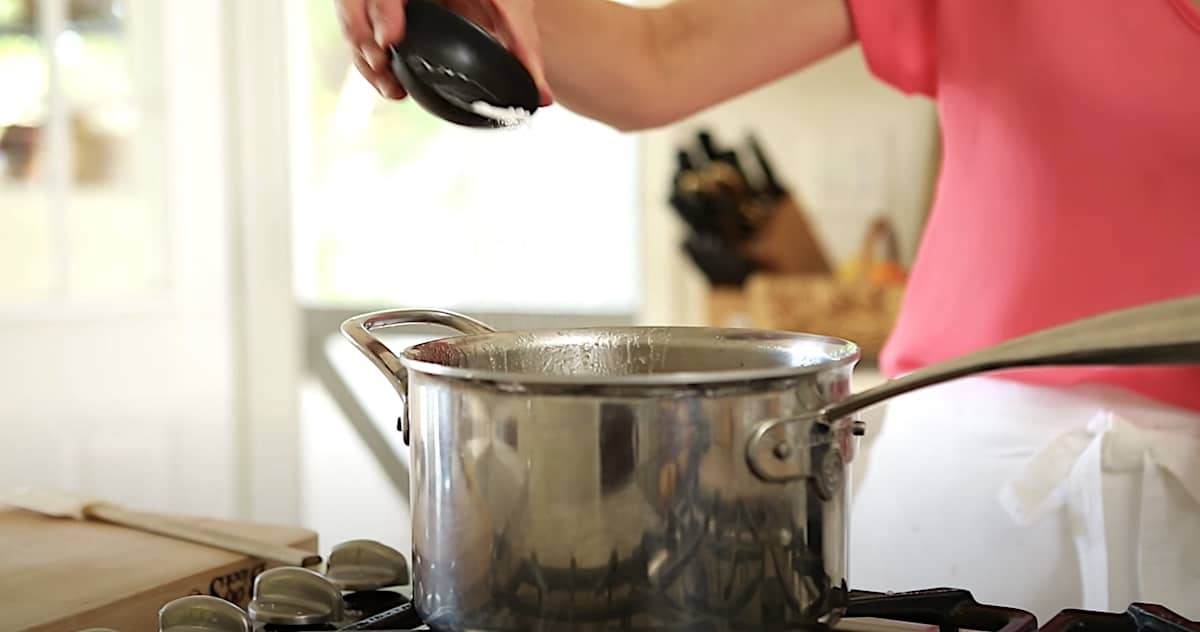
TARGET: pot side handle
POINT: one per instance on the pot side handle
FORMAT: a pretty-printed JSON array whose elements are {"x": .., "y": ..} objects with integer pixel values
[
  {"x": 358, "y": 331},
  {"x": 1163, "y": 333}
]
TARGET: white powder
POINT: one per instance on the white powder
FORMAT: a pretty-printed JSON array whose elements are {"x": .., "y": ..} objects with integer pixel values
[{"x": 508, "y": 117}]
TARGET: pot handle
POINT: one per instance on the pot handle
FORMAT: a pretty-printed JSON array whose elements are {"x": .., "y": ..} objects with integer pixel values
[
  {"x": 1163, "y": 333},
  {"x": 804, "y": 447},
  {"x": 358, "y": 331}
]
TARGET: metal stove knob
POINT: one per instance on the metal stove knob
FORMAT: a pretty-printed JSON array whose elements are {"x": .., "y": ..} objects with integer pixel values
[
  {"x": 291, "y": 595},
  {"x": 201, "y": 613},
  {"x": 366, "y": 565}
]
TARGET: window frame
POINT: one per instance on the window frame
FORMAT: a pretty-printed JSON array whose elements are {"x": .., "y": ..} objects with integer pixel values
[{"x": 141, "y": 28}]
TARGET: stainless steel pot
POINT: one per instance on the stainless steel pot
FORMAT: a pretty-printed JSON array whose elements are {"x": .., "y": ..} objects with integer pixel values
[{"x": 659, "y": 478}]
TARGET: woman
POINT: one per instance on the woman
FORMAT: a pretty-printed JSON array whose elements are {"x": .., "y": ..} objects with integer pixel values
[{"x": 1070, "y": 186}]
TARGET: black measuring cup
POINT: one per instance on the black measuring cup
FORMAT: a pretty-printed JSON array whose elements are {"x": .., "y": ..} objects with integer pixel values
[{"x": 447, "y": 64}]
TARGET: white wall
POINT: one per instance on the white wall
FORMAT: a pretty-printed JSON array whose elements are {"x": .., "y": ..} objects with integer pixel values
[{"x": 847, "y": 145}]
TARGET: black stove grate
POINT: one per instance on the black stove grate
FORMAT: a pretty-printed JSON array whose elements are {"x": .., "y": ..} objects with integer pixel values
[
  {"x": 1139, "y": 617},
  {"x": 952, "y": 610},
  {"x": 948, "y": 608}
]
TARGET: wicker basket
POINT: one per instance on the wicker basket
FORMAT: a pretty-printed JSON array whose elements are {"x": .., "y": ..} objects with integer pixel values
[{"x": 854, "y": 306}]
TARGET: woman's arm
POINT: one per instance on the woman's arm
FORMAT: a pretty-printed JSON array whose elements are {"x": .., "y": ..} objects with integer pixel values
[
  {"x": 639, "y": 68},
  {"x": 632, "y": 68}
]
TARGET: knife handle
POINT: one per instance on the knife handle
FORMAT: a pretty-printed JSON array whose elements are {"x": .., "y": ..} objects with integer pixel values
[{"x": 773, "y": 188}]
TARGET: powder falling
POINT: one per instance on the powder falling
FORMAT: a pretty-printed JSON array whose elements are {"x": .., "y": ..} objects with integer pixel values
[{"x": 507, "y": 117}]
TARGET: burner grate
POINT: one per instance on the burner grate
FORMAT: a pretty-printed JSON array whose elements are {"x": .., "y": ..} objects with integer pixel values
[
  {"x": 949, "y": 609},
  {"x": 1139, "y": 617},
  {"x": 952, "y": 610}
]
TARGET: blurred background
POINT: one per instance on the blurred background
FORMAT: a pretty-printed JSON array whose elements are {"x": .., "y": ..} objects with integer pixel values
[{"x": 193, "y": 195}]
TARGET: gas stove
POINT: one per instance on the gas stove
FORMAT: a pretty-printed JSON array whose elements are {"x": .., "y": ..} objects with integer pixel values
[{"x": 364, "y": 586}]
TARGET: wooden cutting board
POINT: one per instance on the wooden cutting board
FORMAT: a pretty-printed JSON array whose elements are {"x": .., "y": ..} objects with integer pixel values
[{"x": 69, "y": 575}]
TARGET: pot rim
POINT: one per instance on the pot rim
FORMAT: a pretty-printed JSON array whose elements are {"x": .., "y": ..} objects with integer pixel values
[{"x": 840, "y": 353}]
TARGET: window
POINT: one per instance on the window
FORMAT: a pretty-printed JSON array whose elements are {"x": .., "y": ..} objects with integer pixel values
[
  {"x": 392, "y": 207},
  {"x": 81, "y": 212},
  {"x": 396, "y": 207}
]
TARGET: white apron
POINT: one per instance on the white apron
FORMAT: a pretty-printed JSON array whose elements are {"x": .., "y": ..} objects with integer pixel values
[{"x": 1032, "y": 497}]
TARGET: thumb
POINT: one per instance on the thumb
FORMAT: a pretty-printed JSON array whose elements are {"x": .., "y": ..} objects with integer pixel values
[
  {"x": 519, "y": 29},
  {"x": 387, "y": 21}
]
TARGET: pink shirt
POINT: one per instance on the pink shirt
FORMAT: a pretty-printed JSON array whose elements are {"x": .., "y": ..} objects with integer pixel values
[{"x": 1071, "y": 175}]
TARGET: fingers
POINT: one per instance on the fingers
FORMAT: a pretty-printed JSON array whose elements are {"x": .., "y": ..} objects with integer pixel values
[
  {"x": 387, "y": 21},
  {"x": 373, "y": 26},
  {"x": 356, "y": 26},
  {"x": 530, "y": 56},
  {"x": 376, "y": 58},
  {"x": 385, "y": 85},
  {"x": 371, "y": 59}
]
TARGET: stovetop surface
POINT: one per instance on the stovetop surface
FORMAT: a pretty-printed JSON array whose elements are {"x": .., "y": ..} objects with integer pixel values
[
  {"x": 941, "y": 610},
  {"x": 365, "y": 586}
]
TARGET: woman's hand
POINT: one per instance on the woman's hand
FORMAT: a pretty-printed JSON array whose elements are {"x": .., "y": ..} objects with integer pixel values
[
  {"x": 373, "y": 26},
  {"x": 629, "y": 67}
]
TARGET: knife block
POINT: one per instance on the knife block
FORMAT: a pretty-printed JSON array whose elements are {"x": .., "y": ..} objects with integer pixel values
[{"x": 786, "y": 243}]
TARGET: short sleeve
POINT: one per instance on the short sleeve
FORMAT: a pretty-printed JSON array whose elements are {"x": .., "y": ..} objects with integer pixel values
[{"x": 899, "y": 40}]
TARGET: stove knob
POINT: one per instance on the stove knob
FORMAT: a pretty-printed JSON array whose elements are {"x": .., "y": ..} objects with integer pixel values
[
  {"x": 201, "y": 613},
  {"x": 366, "y": 565},
  {"x": 295, "y": 596}
]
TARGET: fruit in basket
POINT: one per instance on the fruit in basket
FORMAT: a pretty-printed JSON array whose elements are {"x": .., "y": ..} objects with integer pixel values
[
  {"x": 852, "y": 270},
  {"x": 888, "y": 274},
  {"x": 878, "y": 260},
  {"x": 878, "y": 273}
]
